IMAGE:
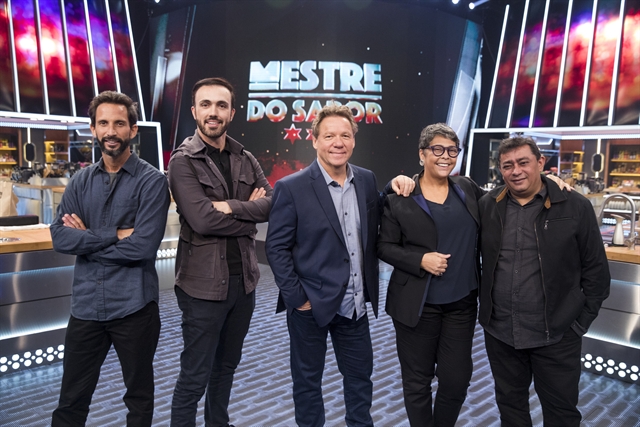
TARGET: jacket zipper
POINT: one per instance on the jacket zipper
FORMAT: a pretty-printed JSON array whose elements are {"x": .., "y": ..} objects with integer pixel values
[{"x": 544, "y": 291}]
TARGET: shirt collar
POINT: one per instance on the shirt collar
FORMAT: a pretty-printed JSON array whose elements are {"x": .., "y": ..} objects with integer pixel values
[
  {"x": 542, "y": 195},
  {"x": 129, "y": 166},
  {"x": 330, "y": 180},
  {"x": 213, "y": 150}
]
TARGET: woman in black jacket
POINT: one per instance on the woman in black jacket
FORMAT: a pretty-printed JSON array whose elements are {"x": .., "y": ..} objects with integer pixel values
[{"x": 430, "y": 238}]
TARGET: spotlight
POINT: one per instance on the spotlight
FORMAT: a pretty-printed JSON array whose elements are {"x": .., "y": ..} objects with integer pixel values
[
  {"x": 157, "y": 1},
  {"x": 455, "y": 1},
  {"x": 472, "y": 6}
]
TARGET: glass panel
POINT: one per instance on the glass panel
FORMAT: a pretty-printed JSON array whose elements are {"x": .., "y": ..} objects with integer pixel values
[
  {"x": 124, "y": 53},
  {"x": 506, "y": 68},
  {"x": 27, "y": 56},
  {"x": 101, "y": 45},
  {"x": 79, "y": 53},
  {"x": 54, "y": 57},
  {"x": 602, "y": 60},
  {"x": 7, "y": 102},
  {"x": 580, "y": 35},
  {"x": 551, "y": 62},
  {"x": 628, "y": 97},
  {"x": 528, "y": 65}
]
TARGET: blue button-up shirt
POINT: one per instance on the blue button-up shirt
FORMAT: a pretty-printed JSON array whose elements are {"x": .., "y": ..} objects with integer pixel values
[
  {"x": 113, "y": 278},
  {"x": 346, "y": 204}
]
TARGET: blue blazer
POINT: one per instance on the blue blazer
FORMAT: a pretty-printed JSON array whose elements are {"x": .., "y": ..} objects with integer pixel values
[{"x": 305, "y": 246}]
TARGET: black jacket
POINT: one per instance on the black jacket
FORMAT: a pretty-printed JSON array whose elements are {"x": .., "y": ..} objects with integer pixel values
[
  {"x": 406, "y": 233},
  {"x": 573, "y": 262}
]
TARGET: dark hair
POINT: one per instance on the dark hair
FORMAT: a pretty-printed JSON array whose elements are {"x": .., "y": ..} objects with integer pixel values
[
  {"x": 333, "y": 109},
  {"x": 439, "y": 129},
  {"x": 113, "y": 97},
  {"x": 510, "y": 144},
  {"x": 213, "y": 81}
]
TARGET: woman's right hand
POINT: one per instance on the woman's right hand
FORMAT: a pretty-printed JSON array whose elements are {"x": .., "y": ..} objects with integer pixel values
[{"x": 435, "y": 263}]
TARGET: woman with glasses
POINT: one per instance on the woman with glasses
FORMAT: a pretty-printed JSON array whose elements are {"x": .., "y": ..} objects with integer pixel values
[{"x": 430, "y": 240}]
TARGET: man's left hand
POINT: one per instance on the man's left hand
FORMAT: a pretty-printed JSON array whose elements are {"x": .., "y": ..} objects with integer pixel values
[{"x": 73, "y": 221}]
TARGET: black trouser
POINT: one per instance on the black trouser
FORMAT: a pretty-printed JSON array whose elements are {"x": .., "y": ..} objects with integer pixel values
[
  {"x": 442, "y": 337},
  {"x": 213, "y": 334},
  {"x": 556, "y": 375},
  {"x": 87, "y": 342}
]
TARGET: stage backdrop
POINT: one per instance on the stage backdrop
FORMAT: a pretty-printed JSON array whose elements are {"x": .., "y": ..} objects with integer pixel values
[{"x": 398, "y": 66}]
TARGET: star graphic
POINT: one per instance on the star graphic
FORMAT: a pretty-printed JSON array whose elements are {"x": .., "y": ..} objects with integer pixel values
[
  {"x": 309, "y": 135},
  {"x": 293, "y": 133}
]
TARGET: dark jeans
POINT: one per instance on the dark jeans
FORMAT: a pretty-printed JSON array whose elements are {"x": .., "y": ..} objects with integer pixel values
[
  {"x": 213, "y": 334},
  {"x": 87, "y": 342},
  {"x": 556, "y": 374},
  {"x": 354, "y": 354},
  {"x": 443, "y": 337}
]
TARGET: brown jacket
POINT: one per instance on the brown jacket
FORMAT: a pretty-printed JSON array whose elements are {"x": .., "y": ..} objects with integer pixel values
[{"x": 195, "y": 181}]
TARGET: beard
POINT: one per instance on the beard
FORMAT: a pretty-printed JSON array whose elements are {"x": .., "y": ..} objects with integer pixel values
[
  {"x": 212, "y": 133},
  {"x": 124, "y": 145}
]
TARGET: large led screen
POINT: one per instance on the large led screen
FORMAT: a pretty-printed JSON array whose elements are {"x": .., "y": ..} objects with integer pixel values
[{"x": 394, "y": 64}]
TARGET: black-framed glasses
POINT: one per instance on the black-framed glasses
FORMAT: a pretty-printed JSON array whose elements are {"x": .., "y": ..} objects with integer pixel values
[{"x": 438, "y": 150}]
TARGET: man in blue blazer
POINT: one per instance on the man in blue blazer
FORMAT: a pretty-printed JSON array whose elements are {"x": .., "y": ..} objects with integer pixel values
[{"x": 321, "y": 246}]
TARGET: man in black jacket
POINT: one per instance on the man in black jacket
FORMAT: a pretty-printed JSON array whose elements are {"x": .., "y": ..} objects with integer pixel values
[{"x": 544, "y": 277}]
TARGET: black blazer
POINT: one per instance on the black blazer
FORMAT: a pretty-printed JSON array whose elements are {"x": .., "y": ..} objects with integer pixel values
[{"x": 407, "y": 232}]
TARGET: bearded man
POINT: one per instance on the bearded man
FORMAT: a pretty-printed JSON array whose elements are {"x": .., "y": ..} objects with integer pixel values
[
  {"x": 221, "y": 193},
  {"x": 112, "y": 217}
]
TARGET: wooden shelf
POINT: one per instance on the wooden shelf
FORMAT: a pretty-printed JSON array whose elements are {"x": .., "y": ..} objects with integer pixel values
[
  {"x": 624, "y": 174},
  {"x": 625, "y": 161},
  {"x": 8, "y": 163},
  {"x": 8, "y": 148}
]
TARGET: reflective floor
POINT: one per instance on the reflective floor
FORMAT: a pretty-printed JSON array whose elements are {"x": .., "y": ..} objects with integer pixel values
[{"x": 262, "y": 390}]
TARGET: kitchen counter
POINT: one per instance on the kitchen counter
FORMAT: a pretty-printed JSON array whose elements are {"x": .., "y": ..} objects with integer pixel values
[
  {"x": 623, "y": 254},
  {"x": 30, "y": 240}
]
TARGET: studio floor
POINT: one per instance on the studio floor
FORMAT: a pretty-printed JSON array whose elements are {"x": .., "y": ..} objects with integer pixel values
[{"x": 261, "y": 394}]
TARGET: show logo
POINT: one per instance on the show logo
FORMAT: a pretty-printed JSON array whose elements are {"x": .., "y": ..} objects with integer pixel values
[{"x": 306, "y": 86}]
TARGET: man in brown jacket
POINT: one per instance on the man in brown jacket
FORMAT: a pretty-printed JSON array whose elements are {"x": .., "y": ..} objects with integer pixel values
[{"x": 221, "y": 193}]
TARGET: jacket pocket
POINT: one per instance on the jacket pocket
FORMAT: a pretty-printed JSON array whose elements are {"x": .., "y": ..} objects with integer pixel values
[
  {"x": 200, "y": 257},
  {"x": 399, "y": 277}
]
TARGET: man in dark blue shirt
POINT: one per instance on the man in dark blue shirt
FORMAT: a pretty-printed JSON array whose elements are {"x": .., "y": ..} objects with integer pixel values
[{"x": 112, "y": 217}]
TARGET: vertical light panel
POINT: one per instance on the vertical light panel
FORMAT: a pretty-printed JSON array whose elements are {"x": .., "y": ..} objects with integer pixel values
[
  {"x": 616, "y": 65},
  {"x": 87, "y": 20},
  {"x": 55, "y": 60},
  {"x": 14, "y": 60},
  {"x": 43, "y": 73},
  {"x": 112, "y": 46},
  {"x": 565, "y": 46},
  {"x": 7, "y": 88},
  {"x": 495, "y": 73},
  {"x": 550, "y": 65},
  {"x": 135, "y": 62},
  {"x": 27, "y": 57},
  {"x": 628, "y": 84},
  {"x": 517, "y": 67},
  {"x": 528, "y": 66},
  {"x": 580, "y": 36},
  {"x": 587, "y": 73},
  {"x": 543, "y": 38},
  {"x": 78, "y": 42},
  {"x": 72, "y": 96}
]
